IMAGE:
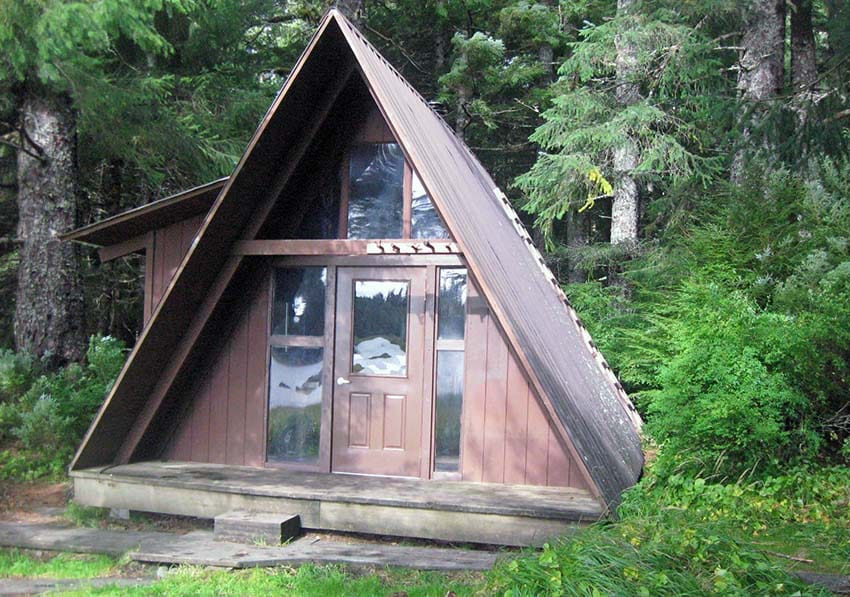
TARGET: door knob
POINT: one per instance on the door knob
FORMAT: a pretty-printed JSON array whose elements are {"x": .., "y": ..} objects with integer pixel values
[{"x": 341, "y": 381}]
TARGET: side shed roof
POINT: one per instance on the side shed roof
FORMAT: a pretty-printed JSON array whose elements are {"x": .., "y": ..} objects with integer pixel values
[{"x": 156, "y": 214}]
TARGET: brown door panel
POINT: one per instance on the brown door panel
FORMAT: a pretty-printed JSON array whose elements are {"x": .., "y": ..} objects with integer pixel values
[{"x": 378, "y": 405}]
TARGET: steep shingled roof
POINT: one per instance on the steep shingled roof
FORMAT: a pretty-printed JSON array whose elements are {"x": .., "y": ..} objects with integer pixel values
[{"x": 550, "y": 341}]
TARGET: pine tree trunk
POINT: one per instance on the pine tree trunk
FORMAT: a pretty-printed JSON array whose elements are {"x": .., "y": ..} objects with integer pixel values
[
  {"x": 578, "y": 238},
  {"x": 804, "y": 68},
  {"x": 762, "y": 66},
  {"x": 49, "y": 303},
  {"x": 625, "y": 208}
]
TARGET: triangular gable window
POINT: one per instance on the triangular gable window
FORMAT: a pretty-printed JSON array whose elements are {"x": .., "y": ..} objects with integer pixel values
[{"x": 386, "y": 198}]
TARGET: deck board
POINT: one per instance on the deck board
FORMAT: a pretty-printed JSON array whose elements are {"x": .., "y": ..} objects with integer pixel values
[
  {"x": 448, "y": 510},
  {"x": 485, "y": 498}
]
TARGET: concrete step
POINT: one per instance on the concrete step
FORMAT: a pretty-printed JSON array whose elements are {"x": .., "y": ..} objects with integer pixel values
[{"x": 256, "y": 527}]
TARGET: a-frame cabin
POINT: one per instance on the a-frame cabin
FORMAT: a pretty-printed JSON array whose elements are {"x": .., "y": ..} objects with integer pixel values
[{"x": 357, "y": 297}]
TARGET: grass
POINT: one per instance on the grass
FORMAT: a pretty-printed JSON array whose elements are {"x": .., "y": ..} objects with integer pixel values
[
  {"x": 16, "y": 563},
  {"x": 327, "y": 581}
]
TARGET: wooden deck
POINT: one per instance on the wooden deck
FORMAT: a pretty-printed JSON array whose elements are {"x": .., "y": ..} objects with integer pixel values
[{"x": 443, "y": 510}]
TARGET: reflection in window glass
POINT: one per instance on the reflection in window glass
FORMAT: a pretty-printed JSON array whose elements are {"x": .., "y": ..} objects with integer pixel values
[
  {"x": 299, "y": 301},
  {"x": 425, "y": 222},
  {"x": 295, "y": 404},
  {"x": 452, "y": 304},
  {"x": 449, "y": 408},
  {"x": 375, "y": 205},
  {"x": 380, "y": 327}
]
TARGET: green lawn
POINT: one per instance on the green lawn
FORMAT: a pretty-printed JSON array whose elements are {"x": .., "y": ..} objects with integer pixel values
[
  {"x": 16, "y": 563},
  {"x": 326, "y": 581}
]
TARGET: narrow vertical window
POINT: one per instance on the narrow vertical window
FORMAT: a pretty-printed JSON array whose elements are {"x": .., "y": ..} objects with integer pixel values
[
  {"x": 451, "y": 321},
  {"x": 425, "y": 222},
  {"x": 296, "y": 365}
]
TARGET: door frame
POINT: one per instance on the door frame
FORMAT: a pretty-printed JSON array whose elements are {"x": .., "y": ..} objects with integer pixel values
[{"x": 431, "y": 263}]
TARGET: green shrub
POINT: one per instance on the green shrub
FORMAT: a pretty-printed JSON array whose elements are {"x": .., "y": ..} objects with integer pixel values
[
  {"x": 10, "y": 418},
  {"x": 44, "y": 427},
  {"x": 52, "y": 412},
  {"x": 724, "y": 404},
  {"x": 17, "y": 372}
]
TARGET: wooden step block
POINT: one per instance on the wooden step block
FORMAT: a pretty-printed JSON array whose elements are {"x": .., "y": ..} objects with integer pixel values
[{"x": 256, "y": 527}]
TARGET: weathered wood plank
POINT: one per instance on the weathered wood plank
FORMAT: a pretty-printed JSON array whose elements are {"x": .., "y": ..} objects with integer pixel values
[
  {"x": 451, "y": 511},
  {"x": 252, "y": 527}
]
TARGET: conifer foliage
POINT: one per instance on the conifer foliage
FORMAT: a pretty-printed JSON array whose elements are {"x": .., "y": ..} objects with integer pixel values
[{"x": 684, "y": 164}]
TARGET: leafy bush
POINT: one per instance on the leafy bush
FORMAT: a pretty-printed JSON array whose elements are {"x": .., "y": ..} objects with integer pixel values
[
  {"x": 50, "y": 413},
  {"x": 17, "y": 372},
  {"x": 723, "y": 400},
  {"x": 733, "y": 336},
  {"x": 43, "y": 427}
]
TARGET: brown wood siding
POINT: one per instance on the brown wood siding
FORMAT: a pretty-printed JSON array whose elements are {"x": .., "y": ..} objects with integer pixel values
[
  {"x": 507, "y": 437},
  {"x": 224, "y": 422},
  {"x": 170, "y": 245}
]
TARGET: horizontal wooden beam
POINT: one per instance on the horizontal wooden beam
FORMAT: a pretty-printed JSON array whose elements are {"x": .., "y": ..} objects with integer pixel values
[
  {"x": 344, "y": 247},
  {"x": 133, "y": 245}
]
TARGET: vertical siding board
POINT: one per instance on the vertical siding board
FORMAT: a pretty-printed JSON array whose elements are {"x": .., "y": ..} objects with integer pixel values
[
  {"x": 173, "y": 252},
  {"x": 577, "y": 477},
  {"x": 475, "y": 357},
  {"x": 495, "y": 405},
  {"x": 236, "y": 393},
  {"x": 182, "y": 440},
  {"x": 158, "y": 268},
  {"x": 537, "y": 447},
  {"x": 255, "y": 380},
  {"x": 201, "y": 422},
  {"x": 516, "y": 429},
  {"x": 218, "y": 405},
  {"x": 558, "y": 469}
]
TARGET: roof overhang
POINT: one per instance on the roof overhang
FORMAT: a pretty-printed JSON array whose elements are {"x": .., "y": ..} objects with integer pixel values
[{"x": 156, "y": 214}]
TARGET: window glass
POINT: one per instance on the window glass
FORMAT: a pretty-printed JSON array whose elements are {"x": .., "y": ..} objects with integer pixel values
[
  {"x": 451, "y": 310},
  {"x": 425, "y": 222},
  {"x": 380, "y": 327},
  {"x": 375, "y": 204},
  {"x": 295, "y": 404},
  {"x": 448, "y": 410},
  {"x": 298, "y": 308}
]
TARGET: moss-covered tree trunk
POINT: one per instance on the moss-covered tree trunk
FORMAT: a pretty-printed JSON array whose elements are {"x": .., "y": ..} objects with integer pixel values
[{"x": 49, "y": 304}]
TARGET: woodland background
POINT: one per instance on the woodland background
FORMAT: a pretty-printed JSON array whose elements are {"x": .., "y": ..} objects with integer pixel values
[{"x": 683, "y": 165}]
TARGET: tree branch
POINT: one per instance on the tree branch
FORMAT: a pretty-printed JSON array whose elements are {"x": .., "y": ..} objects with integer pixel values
[
  {"x": 20, "y": 147},
  {"x": 25, "y": 136},
  {"x": 399, "y": 48}
]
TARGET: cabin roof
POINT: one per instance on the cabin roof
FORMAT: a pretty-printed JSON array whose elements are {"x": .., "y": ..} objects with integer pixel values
[
  {"x": 156, "y": 214},
  {"x": 550, "y": 341}
]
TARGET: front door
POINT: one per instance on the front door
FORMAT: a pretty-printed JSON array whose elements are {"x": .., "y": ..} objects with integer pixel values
[{"x": 380, "y": 334}]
